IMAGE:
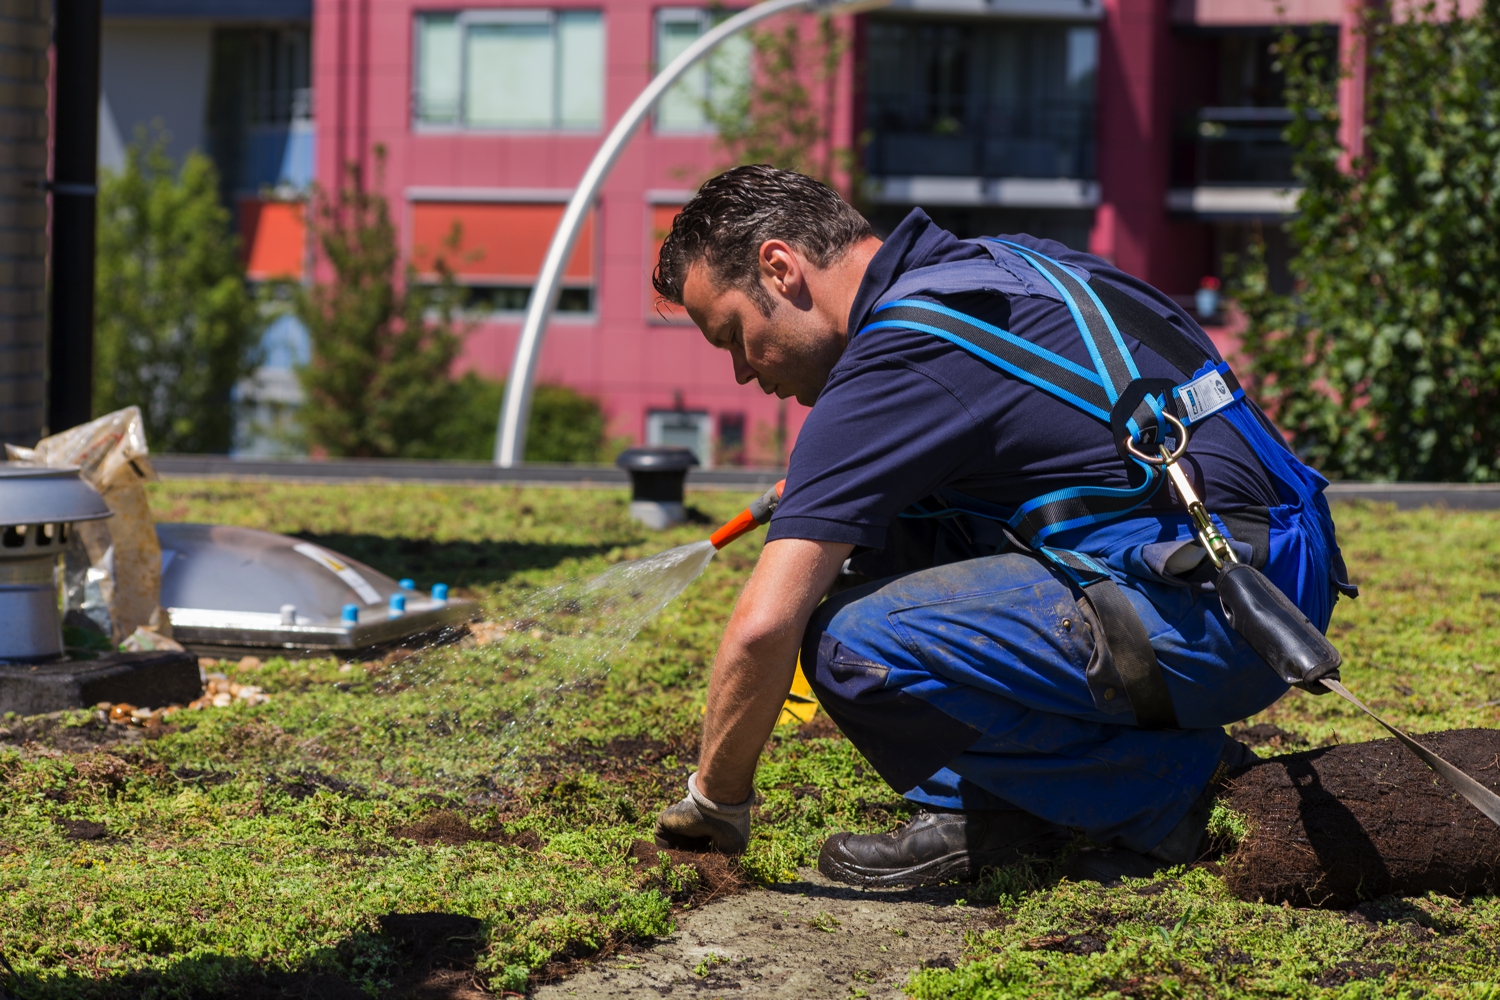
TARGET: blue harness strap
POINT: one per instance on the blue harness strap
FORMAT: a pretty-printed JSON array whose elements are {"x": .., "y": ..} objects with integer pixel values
[
  {"x": 1115, "y": 394},
  {"x": 1098, "y": 393}
]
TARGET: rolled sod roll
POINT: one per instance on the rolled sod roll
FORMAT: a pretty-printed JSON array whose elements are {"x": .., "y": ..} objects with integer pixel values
[{"x": 1334, "y": 826}]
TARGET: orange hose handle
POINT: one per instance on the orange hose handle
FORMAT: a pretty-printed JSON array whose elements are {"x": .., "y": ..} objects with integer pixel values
[{"x": 750, "y": 518}]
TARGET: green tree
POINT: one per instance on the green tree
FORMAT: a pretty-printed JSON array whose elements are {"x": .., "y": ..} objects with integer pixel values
[
  {"x": 1385, "y": 362},
  {"x": 176, "y": 326},
  {"x": 383, "y": 342},
  {"x": 782, "y": 114}
]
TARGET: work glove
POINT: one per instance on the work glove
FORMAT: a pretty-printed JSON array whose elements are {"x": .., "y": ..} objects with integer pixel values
[{"x": 698, "y": 823}]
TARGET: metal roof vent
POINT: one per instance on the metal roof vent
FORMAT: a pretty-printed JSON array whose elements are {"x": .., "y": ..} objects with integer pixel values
[
  {"x": 657, "y": 475},
  {"x": 38, "y": 506},
  {"x": 228, "y": 588}
]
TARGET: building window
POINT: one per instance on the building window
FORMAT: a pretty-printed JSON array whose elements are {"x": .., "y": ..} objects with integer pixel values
[
  {"x": 730, "y": 448},
  {"x": 658, "y": 224},
  {"x": 952, "y": 98},
  {"x": 690, "y": 429},
  {"x": 259, "y": 118},
  {"x": 510, "y": 69},
  {"x": 716, "y": 83},
  {"x": 495, "y": 250}
]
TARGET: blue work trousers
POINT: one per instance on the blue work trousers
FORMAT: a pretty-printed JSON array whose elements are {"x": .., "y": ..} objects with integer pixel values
[{"x": 965, "y": 684}]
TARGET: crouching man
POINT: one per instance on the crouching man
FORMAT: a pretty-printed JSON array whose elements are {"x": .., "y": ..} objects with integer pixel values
[{"x": 1037, "y": 649}]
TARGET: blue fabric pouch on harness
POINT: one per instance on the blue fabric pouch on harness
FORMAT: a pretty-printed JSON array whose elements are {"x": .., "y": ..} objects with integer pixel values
[{"x": 1019, "y": 653}]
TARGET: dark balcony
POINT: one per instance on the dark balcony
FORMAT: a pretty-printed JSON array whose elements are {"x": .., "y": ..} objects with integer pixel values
[
  {"x": 1233, "y": 147},
  {"x": 922, "y": 134}
]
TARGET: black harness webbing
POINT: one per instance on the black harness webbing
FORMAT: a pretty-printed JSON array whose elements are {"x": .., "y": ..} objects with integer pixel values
[{"x": 1135, "y": 660}]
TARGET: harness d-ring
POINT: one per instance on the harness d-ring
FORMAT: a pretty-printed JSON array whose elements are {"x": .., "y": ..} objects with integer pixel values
[{"x": 1166, "y": 457}]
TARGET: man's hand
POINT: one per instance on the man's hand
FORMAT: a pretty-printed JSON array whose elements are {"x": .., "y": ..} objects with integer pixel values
[
  {"x": 698, "y": 823},
  {"x": 757, "y": 656}
]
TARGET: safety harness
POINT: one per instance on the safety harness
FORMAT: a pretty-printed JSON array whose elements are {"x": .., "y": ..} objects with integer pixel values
[
  {"x": 1143, "y": 415},
  {"x": 1114, "y": 393}
]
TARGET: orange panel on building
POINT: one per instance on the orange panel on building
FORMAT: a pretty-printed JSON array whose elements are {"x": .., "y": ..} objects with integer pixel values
[
  {"x": 500, "y": 243},
  {"x": 273, "y": 238},
  {"x": 658, "y": 309}
]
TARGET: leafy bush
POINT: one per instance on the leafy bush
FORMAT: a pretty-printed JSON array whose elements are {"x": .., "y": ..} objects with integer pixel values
[
  {"x": 782, "y": 113},
  {"x": 176, "y": 327},
  {"x": 566, "y": 426},
  {"x": 1386, "y": 361}
]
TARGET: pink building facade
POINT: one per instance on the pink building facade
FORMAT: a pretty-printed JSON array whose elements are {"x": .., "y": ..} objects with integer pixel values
[
  {"x": 505, "y": 183},
  {"x": 1145, "y": 130}
]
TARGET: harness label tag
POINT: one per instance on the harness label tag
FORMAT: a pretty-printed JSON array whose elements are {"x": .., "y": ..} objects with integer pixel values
[{"x": 1204, "y": 396}]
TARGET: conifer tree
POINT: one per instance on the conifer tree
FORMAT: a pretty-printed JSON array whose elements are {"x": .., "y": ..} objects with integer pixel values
[{"x": 379, "y": 381}]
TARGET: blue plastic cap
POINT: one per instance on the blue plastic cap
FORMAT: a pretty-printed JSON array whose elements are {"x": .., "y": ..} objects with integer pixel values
[
  {"x": 398, "y": 603},
  {"x": 407, "y": 583},
  {"x": 439, "y": 591},
  {"x": 351, "y": 613}
]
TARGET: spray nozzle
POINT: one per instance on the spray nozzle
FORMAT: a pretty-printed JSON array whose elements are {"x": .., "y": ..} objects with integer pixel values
[{"x": 751, "y": 517}]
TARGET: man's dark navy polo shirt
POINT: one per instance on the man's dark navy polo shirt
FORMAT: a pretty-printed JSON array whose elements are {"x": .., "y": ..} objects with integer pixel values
[{"x": 907, "y": 413}]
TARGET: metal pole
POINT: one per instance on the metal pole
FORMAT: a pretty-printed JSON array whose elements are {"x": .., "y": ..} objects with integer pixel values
[
  {"x": 27, "y": 29},
  {"x": 510, "y": 441},
  {"x": 75, "y": 159}
]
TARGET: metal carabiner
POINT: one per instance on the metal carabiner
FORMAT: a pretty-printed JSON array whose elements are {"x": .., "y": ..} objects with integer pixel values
[
  {"x": 1166, "y": 457},
  {"x": 1217, "y": 547}
]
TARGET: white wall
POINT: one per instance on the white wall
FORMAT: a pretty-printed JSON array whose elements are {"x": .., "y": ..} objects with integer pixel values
[{"x": 154, "y": 70}]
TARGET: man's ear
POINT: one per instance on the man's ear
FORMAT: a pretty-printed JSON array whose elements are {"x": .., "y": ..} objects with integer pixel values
[{"x": 782, "y": 269}]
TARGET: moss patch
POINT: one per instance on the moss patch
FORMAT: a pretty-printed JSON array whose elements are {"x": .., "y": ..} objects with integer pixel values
[{"x": 274, "y": 847}]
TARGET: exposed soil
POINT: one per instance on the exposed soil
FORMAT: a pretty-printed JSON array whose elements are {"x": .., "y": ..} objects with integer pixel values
[
  {"x": 1336, "y": 825},
  {"x": 82, "y": 829},
  {"x": 820, "y": 727},
  {"x": 433, "y": 957},
  {"x": 622, "y": 757},
  {"x": 811, "y": 939},
  {"x": 454, "y": 829},
  {"x": 1266, "y": 734},
  {"x": 47, "y": 731},
  {"x": 718, "y": 875}
]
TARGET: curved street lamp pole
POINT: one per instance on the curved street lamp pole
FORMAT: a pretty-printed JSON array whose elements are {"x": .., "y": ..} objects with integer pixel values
[{"x": 515, "y": 411}]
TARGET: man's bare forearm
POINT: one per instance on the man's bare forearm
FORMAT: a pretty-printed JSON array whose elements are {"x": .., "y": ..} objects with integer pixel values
[{"x": 753, "y": 669}]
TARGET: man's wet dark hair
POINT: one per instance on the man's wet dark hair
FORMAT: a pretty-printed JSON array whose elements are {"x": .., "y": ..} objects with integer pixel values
[{"x": 730, "y": 217}]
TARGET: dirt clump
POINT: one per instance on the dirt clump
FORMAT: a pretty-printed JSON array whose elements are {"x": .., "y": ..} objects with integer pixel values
[
  {"x": 82, "y": 829},
  {"x": 454, "y": 829},
  {"x": 819, "y": 727},
  {"x": 1266, "y": 734},
  {"x": 305, "y": 782},
  {"x": 1337, "y": 825},
  {"x": 1068, "y": 944},
  {"x": 718, "y": 875}
]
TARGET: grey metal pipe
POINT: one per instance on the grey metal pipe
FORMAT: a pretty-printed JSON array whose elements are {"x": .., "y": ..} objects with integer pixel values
[
  {"x": 75, "y": 196},
  {"x": 515, "y": 411},
  {"x": 25, "y": 26}
]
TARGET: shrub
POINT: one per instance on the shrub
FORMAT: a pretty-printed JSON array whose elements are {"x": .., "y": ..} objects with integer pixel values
[
  {"x": 566, "y": 426},
  {"x": 1385, "y": 363},
  {"x": 175, "y": 325}
]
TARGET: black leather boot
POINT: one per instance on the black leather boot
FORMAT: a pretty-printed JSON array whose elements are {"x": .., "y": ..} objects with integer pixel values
[{"x": 937, "y": 847}]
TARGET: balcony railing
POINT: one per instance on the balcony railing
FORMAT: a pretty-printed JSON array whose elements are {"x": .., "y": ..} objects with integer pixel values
[
  {"x": 921, "y": 134},
  {"x": 1240, "y": 147}
]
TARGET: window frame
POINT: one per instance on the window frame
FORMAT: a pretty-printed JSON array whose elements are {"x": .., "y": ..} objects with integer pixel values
[
  {"x": 510, "y": 196},
  {"x": 707, "y": 18},
  {"x": 466, "y": 17}
]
